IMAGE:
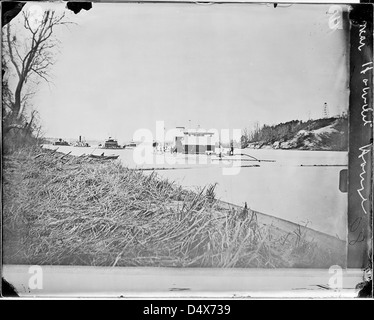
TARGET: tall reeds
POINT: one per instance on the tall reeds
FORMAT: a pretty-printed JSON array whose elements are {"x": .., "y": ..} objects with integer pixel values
[{"x": 65, "y": 210}]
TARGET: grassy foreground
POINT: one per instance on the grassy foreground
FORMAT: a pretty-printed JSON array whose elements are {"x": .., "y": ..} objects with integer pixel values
[{"x": 65, "y": 210}]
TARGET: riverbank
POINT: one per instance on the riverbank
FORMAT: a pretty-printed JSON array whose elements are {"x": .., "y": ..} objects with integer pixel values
[
  {"x": 326, "y": 134},
  {"x": 64, "y": 210}
]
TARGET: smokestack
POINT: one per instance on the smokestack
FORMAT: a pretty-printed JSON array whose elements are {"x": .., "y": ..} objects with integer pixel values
[{"x": 80, "y": 139}]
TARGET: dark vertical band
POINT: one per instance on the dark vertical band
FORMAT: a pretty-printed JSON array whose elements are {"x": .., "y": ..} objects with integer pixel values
[{"x": 360, "y": 134}]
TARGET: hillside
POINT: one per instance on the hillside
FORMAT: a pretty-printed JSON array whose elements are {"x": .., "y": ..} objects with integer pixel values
[{"x": 321, "y": 134}]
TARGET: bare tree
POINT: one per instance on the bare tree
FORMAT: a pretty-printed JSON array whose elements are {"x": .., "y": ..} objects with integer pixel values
[{"x": 31, "y": 58}]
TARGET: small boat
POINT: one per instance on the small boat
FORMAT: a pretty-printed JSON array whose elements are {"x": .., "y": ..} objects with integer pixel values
[{"x": 103, "y": 157}]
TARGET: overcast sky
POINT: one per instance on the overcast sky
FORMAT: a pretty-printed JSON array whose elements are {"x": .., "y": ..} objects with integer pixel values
[{"x": 124, "y": 66}]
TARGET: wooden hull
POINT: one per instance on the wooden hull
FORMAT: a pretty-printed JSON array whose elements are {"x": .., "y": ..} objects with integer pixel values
[{"x": 103, "y": 157}]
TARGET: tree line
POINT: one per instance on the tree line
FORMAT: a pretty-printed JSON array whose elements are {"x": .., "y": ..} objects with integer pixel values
[{"x": 268, "y": 134}]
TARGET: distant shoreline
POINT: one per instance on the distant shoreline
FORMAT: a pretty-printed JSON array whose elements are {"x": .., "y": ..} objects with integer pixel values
[
  {"x": 326, "y": 134},
  {"x": 269, "y": 147}
]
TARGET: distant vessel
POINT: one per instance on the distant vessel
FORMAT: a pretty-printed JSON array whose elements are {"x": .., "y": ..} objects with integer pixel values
[
  {"x": 130, "y": 145},
  {"x": 61, "y": 142},
  {"x": 111, "y": 144},
  {"x": 81, "y": 143},
  {"x": 194, "y": 141}
]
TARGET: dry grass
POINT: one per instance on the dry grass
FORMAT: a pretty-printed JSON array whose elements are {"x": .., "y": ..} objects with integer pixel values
[{"x": 65, "y": 210}]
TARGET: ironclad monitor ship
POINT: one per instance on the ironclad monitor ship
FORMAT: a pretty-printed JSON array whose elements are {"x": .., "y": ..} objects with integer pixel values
[{"x": 111, "y": 144}]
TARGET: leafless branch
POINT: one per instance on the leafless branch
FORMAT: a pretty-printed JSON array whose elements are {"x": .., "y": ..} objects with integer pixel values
[
  {"x": 10, "y": 49},
  {"x": 37, "y": 57}
]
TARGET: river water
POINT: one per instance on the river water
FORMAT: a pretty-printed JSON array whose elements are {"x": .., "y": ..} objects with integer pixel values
[{"x": 299, "y": 186}]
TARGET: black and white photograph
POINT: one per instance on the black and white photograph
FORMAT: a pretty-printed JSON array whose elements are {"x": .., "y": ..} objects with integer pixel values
[{"x": 179, "y": 137}]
